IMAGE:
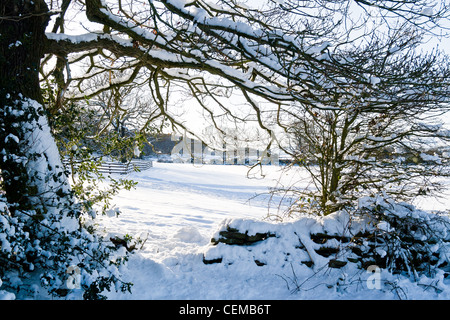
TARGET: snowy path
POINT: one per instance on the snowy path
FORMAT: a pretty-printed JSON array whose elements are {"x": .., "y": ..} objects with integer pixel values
[
  {"x": 171, "y": 197},
  {"x": 179, "y": 206}
]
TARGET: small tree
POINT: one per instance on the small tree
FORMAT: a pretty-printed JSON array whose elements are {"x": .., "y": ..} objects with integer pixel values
[{"x": 383, "y": 135}]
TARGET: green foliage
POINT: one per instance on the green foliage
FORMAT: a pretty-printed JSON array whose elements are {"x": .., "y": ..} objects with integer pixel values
[
  {"x": 13, "y": 161},
  {"x": 41, "y": 233},
  {"x": 93, "y": 292},
  {"x": 74, "y": 131}
]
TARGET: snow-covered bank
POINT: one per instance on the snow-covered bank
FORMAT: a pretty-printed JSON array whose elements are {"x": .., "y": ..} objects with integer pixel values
[{"x": 177, "y": 208}]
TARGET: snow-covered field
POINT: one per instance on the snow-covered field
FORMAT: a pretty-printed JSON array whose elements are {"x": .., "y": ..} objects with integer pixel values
[{"x": 177, "y": 208}]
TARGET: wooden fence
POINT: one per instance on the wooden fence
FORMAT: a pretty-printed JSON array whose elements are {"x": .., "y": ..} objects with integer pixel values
[{"x": 111, "y": 167}]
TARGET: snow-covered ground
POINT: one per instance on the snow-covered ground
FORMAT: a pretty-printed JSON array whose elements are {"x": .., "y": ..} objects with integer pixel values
[{"x": 177, "y": 208}]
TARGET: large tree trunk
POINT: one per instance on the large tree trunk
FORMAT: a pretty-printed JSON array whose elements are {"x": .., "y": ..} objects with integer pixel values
[
  {"x": 40, "y": 208},
  {"x": 31, "y": 168},
  {"x": 22, "y": 42}
]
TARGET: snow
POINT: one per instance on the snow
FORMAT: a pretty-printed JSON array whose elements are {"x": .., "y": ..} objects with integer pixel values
[
  {"x": 15, "y": 44},
  {"x": 172, "y": 196},
  {"x": 12, "y": 137},
  {"x": 432, "y": 158},
  {"x": 427, "y": 12},
  {"x": 177, "y": 208}
]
